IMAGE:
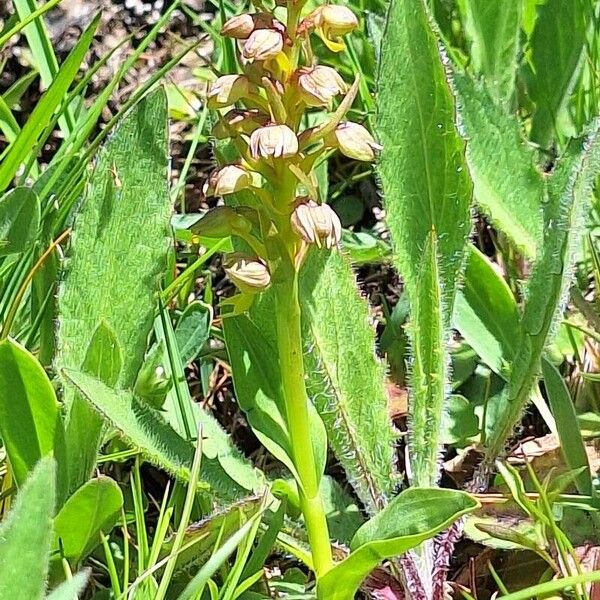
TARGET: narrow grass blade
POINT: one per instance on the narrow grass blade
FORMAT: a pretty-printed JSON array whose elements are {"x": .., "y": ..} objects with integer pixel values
[
  {"x": 17, "y": 152},
  {"x": 571, "y": 442}
]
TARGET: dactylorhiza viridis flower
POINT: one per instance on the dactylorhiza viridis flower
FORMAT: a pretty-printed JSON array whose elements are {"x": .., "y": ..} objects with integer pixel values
[{"x": 264, "y": 110}]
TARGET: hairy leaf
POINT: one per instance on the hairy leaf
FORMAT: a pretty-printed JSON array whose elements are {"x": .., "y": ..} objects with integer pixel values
[
  {"x": 427, "y": 198},
  {"x": 508, "y": 188},
  {"x": 26, "y": 536},
  {"x": 120, "y": 232},
  {"x": 345, "y": 380},
  {"x": 493, "y": 29},
  {"x": 145, "y": 428},
  {"x": 570, "y": 191}
]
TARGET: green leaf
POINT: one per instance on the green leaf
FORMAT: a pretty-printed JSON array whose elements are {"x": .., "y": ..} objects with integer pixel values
[
  {"x": 557, "y": 49},
  {"x": 19, "y": 220},
  {"x": 144, "y": 428},
  {"x": 570, "y": 190},
  {"x": 70, "y": 589},
  {"x": 571, "y": 442},
  {"x": 460, "y": 420},
  {"x": 42, "y": 114},
  {"x": 121, "y": 231},
  {"x": 414, "y": 516},
  {"x": 26, "y": 536},
  {"x": 30, "y": 421},
  {"x": 430, "y": 371},
  {"x": 193, "y": 330},
  {"x": 486, "y": 313},
  {"x": 427, "y": 198},
  {"x": 342, "y": 372},
  {"x": 508, "y": 188},
  {"x": 257, "y": 382},
  {"x": 93, "y": 509},
  {"x": 493, "y": 29}
]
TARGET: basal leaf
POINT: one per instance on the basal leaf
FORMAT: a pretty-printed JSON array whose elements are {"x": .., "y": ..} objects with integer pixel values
[
  {"x": 557, "y": 51},
  {"x": 493, "y": 30},
  {"x": 570, "y": 189},
  {"x": 26, "y": 536},
  {"x": 30, "y": 420},
  {"x": 120, "y": 232},
  {"x": 345, "y": 380},
  {"x": 70, "y": 589},
  {"x": 19, "y": 220},
  {"x": 93, "y": 509},
  {"x": 144, "y": 428},
  {"x": 508, "y": 188},
  {"x": 410, "y": 518},
  {"x": 427, "y": 198}
]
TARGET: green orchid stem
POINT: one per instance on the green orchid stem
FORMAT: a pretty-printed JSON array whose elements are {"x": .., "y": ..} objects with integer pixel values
[{"x": 289, "y": 342}]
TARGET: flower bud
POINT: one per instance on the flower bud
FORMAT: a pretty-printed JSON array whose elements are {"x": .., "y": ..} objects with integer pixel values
[
  {"x": 319, "y": 85},
  {"x": 223, "y": 221},
  {"x": 331, "y": 22},
  {"x": 227, "y": 180},
  {"x": 354, "y": 141},
  {"x": 227, "y": 90},
  {"x": 249, "y": 274},
  {"x": 236, "y": 122},
  {"x": 277, "y": 141},
  {"x": 240, "y": 27},
  {"x": 316, "y": 223},
  {"x": 262, "y": 45}
]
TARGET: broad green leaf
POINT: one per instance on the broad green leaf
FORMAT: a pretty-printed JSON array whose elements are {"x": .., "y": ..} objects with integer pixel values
[
  {"x": 72, "y": 588},
  {"x": 414, "y": 516},
  {"x": 427, "y": 198},
  {"x": 122, "y": 231},
  {"x": 144, "y": 428},
  {"x": 93, "y": 509},
  {"x": 557, "y": 51},
  {"x": 26, "y": 536},
  {"x": 30, "y": 420},
  {"x": 257, "y": 382},
  {"x": 570, "y": 190},
  {"x": 345, "y": 380},
  {"x": 486, "y": 313},
  {"x": 571, "y": 442},
  {"x": 19, "y": 220},
  {"x": 460, "y": 420},
  {"x": 493, "y": 30},
  {"x": 193, "y": 330},
  {"x": 508, "y": 188},
  {"x": 41, "y": 115}
]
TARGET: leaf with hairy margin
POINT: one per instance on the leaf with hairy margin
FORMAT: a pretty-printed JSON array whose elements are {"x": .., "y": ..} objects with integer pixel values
[
  {"x": 145, "y": 428},
  {"x": 427, "y": 198},
  {"x": 508, "y": 188},
  {"x": 121, "y": 231},
  {"x": 345, "y": 380},
  {"x": 570, "y": 190}
]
